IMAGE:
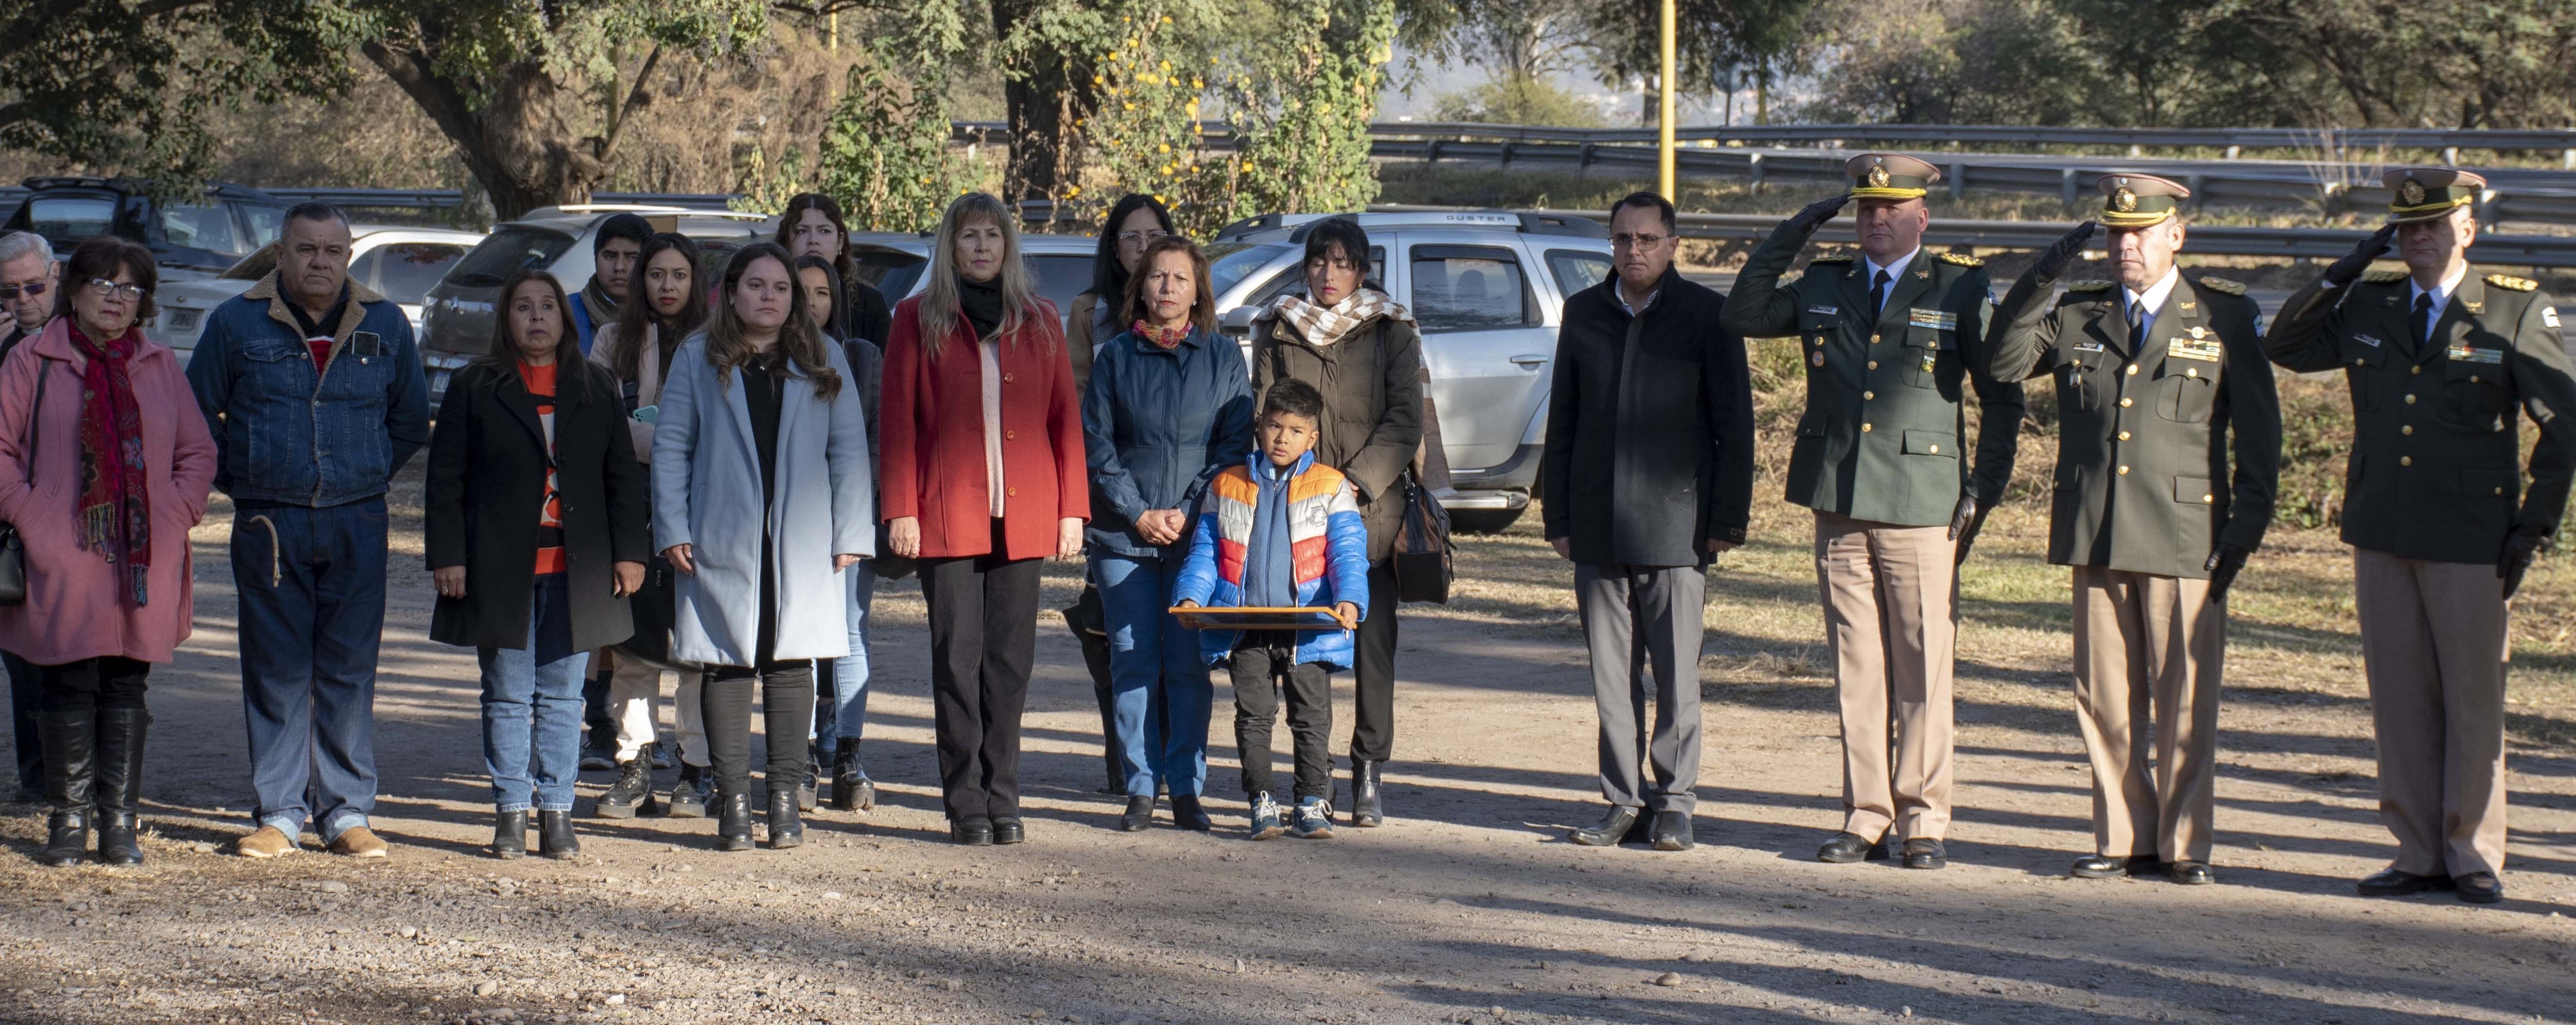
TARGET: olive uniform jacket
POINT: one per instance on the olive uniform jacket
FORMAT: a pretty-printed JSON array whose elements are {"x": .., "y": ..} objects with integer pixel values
[
  {"x": 2434, "y": 471},
  {"x": 2144, "y": 482},
  {"x": 1883, "y": 435}
]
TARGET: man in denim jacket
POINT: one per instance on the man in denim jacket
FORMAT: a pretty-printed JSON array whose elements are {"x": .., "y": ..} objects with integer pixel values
[{"x": 314, "y": 393}]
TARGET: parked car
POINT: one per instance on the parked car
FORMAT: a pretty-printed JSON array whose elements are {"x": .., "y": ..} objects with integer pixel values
[
  {"x": 894, "y": 263},
  {"x": 1488, "y": 289},
  {"x": 188, "y": 240},
  {"x": 457, "y": 316},
  {"x": 402, "y": 264}
]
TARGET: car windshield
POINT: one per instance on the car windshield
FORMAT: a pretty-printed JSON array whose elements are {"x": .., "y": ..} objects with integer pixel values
[
  {"x": 58, "y": 218},
  {"x": 1231, "y": 262},
  {"x": 406, "y": 271},
  {"x": 253, "y": 267},
  {"x": 265, "y": 222},
  {"x": 202, "y": 227},
  {"x": 505, "y": 252}
]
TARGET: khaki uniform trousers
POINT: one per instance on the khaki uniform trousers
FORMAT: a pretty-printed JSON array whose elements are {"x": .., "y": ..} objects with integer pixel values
[
  {"x": 633, "y": 684},
  {"x": 1891, "y": 618},
  {"x": 2148, "y": 654},
  {"x": 2433, "y": 644}
]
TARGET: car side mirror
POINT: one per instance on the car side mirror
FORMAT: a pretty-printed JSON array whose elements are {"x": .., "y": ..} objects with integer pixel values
[{"x": 1237, "y": 321}]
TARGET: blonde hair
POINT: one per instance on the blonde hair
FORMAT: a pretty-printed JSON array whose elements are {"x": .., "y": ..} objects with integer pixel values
[
  {"x": 798, "y": 338},
  {"x": 939, "y": 301}
]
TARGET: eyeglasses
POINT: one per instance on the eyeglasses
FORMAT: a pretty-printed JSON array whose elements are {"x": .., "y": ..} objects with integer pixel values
[
  {"x": 1627, "y": 241},
  {"x": 32, "y": 289},
  {"x": 104, "y": 287},
  {"x": 1142, "y": 236}
]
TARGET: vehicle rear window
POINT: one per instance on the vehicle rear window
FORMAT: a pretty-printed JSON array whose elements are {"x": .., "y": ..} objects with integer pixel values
[
  {"x": 264, "y": 222},
  {"x": 71, "y": 217},
  {"x": 1469, "y": 288},
  {"x": 202, "y": 227},
  {"x": 1229, "y": 263},
  {"x": 505, "y": 252},
  {"x": 1060, "y": 277},
  {"x": 1576, "y": 270},
  {"x": 882, "y": 268},
  {"x": 406, "y": 271}
]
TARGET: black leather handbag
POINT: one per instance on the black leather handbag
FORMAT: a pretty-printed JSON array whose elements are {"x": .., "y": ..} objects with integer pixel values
[
  {"x": 1424, "y": 556},
  {"x": 13, "y": 550}
]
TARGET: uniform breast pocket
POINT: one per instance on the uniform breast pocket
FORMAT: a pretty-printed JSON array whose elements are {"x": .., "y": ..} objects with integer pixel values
[
  {"x": 1929, "y": 356},
  {"x": 2077, "y": 387},
  {"x": 2190, "y": 391},
  {"x": 2475, "y": 394},
  {"x": 2364, "y": 358},
  {"x": 1816, "y": 332}
]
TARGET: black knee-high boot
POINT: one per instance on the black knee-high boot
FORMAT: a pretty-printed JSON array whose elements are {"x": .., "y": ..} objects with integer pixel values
[
  {"x": 70, "y": 739},
  {"x": 119, "y": 758}
]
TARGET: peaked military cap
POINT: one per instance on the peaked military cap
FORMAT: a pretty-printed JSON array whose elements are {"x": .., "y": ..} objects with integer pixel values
[
  {"x": 1889, "y": 176},
  {"x": 2139, "y": 200},
  {"x": 2427, "y": 193}
]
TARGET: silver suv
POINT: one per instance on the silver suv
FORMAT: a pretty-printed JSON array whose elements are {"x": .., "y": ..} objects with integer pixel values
[{"x": 1488, "y": 288}]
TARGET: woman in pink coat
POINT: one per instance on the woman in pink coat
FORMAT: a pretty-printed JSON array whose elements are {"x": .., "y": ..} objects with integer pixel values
[{"x": 104, "y": 465}]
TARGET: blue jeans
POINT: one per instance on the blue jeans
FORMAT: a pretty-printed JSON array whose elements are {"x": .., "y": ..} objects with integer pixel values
[
  {"x": 532, "y": 707},
  {"x": 847, "y": 715},
  {"x": 1158, "y": 682},
  {"x": 311, "y": 586}
]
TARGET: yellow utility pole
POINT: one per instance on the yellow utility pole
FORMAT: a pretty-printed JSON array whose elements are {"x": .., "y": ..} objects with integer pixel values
[{"x": 1664, "y": 104}]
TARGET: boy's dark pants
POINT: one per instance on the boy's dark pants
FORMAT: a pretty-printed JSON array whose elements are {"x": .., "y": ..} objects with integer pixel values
[{"x": 1261, "y": 661}]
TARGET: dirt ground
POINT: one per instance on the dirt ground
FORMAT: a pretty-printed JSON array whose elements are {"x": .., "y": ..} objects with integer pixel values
[{"x": 1468, "y": 906}]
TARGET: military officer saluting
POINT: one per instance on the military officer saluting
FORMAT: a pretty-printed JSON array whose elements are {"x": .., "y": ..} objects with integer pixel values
[
  {"x": 2159, "y": 375},
  {"x": 2440, "y": 358},
  {"x": 1881, "y": 457}
]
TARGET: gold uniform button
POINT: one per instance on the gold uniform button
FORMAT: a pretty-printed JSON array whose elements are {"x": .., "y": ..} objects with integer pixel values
[
  {"x": 2473, "y": 378},
  {"x": 2124, "y": 435},
  {"x": 2126, "y": 403},
  {"x": 2410, "y": 400},
  {"x": 1864, "y": 428},
  {"x": 2405, "y": 460},
  {"x": 2191, "y": 373},
  {"x": 2124, "y": 471},
  {"x": 2415, "y": 370},
  {"x": 1868, "y": 395},
  {"x": 2206, "y": 499},
  {"x": 2133, "y": 370},
  {"x": 2408, "y": 429},
  {"x": 2499, "y": 491},
  {"x": 1935, "y": 450},
  {"x": 1873, "y": 339},
  {"x": 1873, "y": 364}
]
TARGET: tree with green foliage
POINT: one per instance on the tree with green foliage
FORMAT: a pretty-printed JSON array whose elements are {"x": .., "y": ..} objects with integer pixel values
[
  {"x": 1301, "y": 116},
  {"x": 886, "y": 154}
]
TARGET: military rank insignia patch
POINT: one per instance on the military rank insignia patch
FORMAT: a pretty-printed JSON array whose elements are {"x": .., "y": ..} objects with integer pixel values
[
  {"x": 1939, "y": 320},
  {"x": 2473, "y": 354},
  {"x": 2513, "y": 284},
  {"x": 2223, "y": 285},
  {"x": 2382, "y": 277},
  {"x": 2549, "y": 315},
  {"x": 2201, "y": 345},
  {"x": 1816, "y": 358},
  {"x": 1823, "y": 311},
  {"x": 2369, "y": 340},
  {"x": 1960, "y": 260}
]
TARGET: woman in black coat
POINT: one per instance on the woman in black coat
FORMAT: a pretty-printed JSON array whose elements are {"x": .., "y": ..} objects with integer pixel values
[{"x": 536, "y": 523}]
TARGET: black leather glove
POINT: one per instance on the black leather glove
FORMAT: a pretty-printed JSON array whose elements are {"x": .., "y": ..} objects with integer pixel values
[
  {"x": 2223, "y": 565},
  {"x": 1815, "y": 214},
  {"x": 2520, "y": 548},
  {"x": 2053, "y": 260},
  {"x": 2348, "y": 270},
  {"x": 1964, "y": 524}
]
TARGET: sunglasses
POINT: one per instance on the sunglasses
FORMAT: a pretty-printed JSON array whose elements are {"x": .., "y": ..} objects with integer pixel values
[{"x": 32, "y": 289}]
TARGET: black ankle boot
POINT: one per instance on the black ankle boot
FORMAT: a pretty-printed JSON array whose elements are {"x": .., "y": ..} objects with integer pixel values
[
  {"x": 632, "y": 794},
  {"x": 555, "y": 838},
  {"x": 851, "y": 790},
  {"x": 1365, "y": 807},
  {"x": 69, "y": 740},
  {"x": 806, "y": 780},
  {"x": 785, "y": 829},
  {"x": 1188, "y": 814},
  {"x": 119, "y": 757},
  {"x": 1139, "y": 816},
  {"x": 510, "y": 835},
  {"x": 733, "y": 822}
]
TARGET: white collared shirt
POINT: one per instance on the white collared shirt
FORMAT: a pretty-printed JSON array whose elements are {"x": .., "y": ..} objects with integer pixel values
[
  {"x": 2153, "y": 300},
  {"x": 1638, "y": 308},
  {"x": 1895, "y": 273},
  {"x": 2441, "y": 297}
]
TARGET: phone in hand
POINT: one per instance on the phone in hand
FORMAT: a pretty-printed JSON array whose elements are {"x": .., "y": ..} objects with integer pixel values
[{"x": 649, "y": 414}]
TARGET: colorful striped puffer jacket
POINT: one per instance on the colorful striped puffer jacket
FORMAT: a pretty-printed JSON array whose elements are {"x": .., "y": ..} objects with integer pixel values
[{"x": 1328, "y": 541}]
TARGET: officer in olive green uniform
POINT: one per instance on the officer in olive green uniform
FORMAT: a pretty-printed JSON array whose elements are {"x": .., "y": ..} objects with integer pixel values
[
  {"x": 2439, "y": 358},
  {"x": 2157, "y": 376},
  {"x": 1881, "y": 457}
]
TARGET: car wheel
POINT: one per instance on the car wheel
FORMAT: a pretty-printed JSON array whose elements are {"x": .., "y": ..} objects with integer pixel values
[{"x": 1483, "y": 521}]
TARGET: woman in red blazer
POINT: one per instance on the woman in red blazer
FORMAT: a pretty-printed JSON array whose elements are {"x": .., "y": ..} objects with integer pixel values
[{"x": 982, "y": 476}]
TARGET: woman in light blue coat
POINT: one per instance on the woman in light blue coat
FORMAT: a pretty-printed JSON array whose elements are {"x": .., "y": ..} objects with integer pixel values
[{"x": 761, "y": 501}]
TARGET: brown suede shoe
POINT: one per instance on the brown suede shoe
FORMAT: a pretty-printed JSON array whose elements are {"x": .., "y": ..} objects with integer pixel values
[
  {"x": 268, "y": 842},
  {"x": 359, "y": 842}
]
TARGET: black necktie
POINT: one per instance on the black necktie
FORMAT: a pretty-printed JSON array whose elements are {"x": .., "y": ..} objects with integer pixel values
[
  {"x": 1877, "y": 295},
  {"x": 2137, "y": 328},
  {"x": 2422, "y": 322}
]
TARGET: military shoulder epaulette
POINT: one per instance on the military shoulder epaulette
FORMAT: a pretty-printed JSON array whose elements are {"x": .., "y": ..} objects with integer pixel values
[
  {"x": 2511, "y": 283},
  {"x": 2382, "y": 277},
  {"x": 2223, "y": 285},
  {"x": 2088, "y": 286},
  {"x": 1964, "y": 261},
  {"x": 1831, "y": 259}
]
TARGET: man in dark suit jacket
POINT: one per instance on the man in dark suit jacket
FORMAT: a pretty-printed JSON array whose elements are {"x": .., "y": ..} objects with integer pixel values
[
  {"x": 1648, "y": 475},
  {"x": 27, "y": 274}
]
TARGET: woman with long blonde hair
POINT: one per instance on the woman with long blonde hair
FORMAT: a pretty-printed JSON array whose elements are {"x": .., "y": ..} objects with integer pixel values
[
  {"x": 760, "y": 500},
  {"x": 983, "y": 476}
]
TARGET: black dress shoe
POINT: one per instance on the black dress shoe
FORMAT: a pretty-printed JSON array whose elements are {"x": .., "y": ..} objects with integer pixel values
[
  {"x": 2479, "y": 888},
  {"x": 1187, "y": 813},
  {"x": 1846, "y": 848},
  {"x": 1008, "y": 829},
  {"x": 2393, "y": 883},
  {"x": 973, "y": 831},
  {"x": 733, "y": 822},
  {"x": 1673, "y": 831},
  {"x": 2105, "y": 866},
  {"x": 2190, "y": 873},
  {"x": 1925, "y": 852},
  {"x": 1139, "y": 816},
  {"x": 1616, "y": 828}
]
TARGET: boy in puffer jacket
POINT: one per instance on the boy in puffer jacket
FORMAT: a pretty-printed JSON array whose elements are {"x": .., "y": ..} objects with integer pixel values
[{"x": 1280, "y": 531}]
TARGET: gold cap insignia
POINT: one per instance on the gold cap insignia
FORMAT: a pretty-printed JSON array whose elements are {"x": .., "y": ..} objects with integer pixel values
[
  {"x": 2123, "y": 200},
  {"x": 2411, "y": 193},
  {"x": 1877, "y": 176}
]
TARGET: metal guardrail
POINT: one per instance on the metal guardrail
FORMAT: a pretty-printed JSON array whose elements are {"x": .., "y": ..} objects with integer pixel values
[
  {"x": 2490, "y": 139},
  {"x": 2206, "y": 240}
]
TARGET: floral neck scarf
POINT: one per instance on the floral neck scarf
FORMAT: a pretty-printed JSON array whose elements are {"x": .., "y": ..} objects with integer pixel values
[{"x": 1165, "y": 338}]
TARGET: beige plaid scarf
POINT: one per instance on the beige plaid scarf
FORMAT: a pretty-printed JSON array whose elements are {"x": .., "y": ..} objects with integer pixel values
[{"x": 1324, "y": 325}]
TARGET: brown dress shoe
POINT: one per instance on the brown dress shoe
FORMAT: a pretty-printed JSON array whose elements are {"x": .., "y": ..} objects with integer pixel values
[
  {"x": 359, "y": 842},
  {"x": 268, "y": 842}
]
